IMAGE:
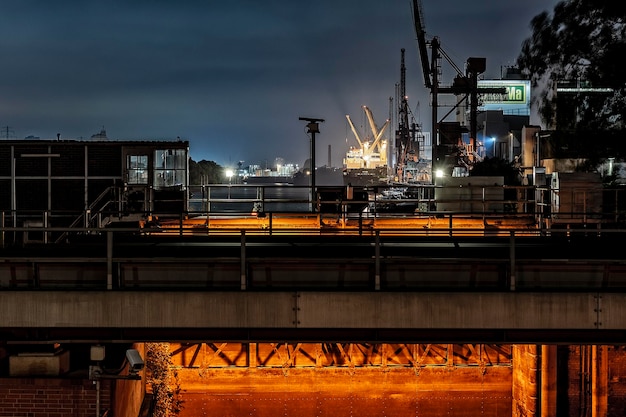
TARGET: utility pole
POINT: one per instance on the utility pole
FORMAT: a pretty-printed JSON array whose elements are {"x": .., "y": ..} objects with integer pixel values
[
  {"x": 8, "y": 133},
  {"x": 313, "y": 128}
]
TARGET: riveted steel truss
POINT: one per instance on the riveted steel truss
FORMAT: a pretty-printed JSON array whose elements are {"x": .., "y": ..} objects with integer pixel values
[{"x": 338, "y": 355}]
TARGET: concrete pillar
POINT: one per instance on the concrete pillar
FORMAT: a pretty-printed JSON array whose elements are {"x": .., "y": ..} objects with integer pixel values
[
  {"x": 600, "y": 380},
  {"x": 525, "y": 374},
  {"x": 548, "y": 380}
]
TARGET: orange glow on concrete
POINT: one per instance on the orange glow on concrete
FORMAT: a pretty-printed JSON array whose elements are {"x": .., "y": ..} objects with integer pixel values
[{"x": 316, "y": 223}]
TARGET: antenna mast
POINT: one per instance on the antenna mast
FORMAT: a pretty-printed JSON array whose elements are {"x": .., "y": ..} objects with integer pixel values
[{"x": 8, "y": 133}]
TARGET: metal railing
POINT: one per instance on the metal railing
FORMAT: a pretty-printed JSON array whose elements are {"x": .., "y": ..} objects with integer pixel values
[
  {"x": 143, "y": 259},
  {"x": 280, "y": 209}
]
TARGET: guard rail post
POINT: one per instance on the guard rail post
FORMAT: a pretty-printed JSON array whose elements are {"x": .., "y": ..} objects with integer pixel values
[
  {"x": 512, "y": 260},
  {"x": 243, "y": 261},
  {"x": 377, "y": 261},
  {"x": 360, "y": 223},
  {"x": 270, "y": 222},
  {"x": 45, "y": 226},
  {"x": 109, "y": 259}
]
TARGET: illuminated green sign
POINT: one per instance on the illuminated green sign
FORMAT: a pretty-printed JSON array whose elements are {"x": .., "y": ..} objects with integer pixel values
[{"x": 515, "y": 92}]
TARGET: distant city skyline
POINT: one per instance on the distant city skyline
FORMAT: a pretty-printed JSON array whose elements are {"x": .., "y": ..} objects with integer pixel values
[{"x": 234, "y": 78}]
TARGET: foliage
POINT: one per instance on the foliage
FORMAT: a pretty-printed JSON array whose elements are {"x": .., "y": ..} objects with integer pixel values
[
  {"x": 582, "y": 42},
  {"x": 595, "y": 146},
  {"x": 205, "y": 172},
  {"x": 497, "y": 167},
  {"x": 163, "y": 379}
]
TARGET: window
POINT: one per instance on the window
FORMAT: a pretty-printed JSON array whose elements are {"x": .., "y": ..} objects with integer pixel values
[
  {"x": 137, "y": 169},
  {"x": 170, "y": 168}
]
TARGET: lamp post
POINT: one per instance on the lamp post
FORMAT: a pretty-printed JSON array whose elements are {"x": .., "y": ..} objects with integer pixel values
[
  {"x": 313, "y": 128},
  {"x": 229, "y": 174}
]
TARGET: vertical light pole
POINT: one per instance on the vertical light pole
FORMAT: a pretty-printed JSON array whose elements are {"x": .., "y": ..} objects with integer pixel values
[
  {"x": 229, "y": 174},
  {"x": 537, "y": 149},
  {"x": 312, "y": 128},
  {"x": 494, "y": 146}
]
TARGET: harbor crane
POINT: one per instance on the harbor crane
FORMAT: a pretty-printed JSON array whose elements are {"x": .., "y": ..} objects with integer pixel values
[
  {"x": 406, "y": 132},
  {"x": 465, "y": 84}
]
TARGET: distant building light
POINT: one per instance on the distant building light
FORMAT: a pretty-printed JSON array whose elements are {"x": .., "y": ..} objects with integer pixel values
[{"x": 583, "y": 90}]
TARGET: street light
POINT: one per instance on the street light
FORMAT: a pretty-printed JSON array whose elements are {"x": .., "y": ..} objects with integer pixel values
[
  {"x": 312, "y": 128},
  {"x": 229, "y": 173},
  {"x": 439, "y": 174},
  {"x": 494, "y": 146}
]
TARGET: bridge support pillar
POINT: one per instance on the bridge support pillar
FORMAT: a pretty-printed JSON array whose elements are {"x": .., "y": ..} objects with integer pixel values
[
  {"x": 548, "y": 380},
  {"x": 525, "y": 380},
  {"x": 600, "y": 380}
]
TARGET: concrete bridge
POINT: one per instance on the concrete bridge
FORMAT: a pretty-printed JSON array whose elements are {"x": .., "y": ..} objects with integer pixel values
[
  {"x": 495, "y": 312},
  {"x": 563, "y": 288}
]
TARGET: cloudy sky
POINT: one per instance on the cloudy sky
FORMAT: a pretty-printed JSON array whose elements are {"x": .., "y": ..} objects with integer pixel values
[{"x": 233, "y": 77}]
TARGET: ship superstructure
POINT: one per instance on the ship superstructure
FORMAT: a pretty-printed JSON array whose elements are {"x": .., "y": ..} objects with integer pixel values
[
  {"x": 366, "y": 164},
  {"x": 372, "y": 150}
]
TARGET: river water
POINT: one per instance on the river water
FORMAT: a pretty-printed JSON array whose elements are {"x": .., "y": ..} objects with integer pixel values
[{"x": 244, "y": 198}]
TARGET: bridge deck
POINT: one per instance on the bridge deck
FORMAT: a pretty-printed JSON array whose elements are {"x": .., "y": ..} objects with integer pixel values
[
  {"x": 560, "y": 288},
  {"x": 390, "y": 317},
  {"x": 115, "y": 260}
]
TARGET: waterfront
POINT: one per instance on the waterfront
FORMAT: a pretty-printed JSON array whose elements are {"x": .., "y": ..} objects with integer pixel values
[{"x": 242, "y": 198}]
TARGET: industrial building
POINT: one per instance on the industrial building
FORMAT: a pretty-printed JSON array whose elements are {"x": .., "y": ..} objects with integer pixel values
[{"x": 87, "y": 183}]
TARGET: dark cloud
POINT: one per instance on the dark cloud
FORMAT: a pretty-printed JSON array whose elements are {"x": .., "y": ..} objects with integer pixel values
[{"x": 231, "y": 77}]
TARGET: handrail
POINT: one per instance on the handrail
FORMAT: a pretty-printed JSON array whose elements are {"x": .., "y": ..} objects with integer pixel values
[
  {"x": 365, "y": 211},
  {"x": 376, "y": 261},
  {"x": 84, "y": 214}
]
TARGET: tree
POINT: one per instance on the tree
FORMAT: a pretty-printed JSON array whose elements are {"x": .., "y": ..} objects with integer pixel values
[
  {"x": 205, "y": 172},
  {"x": 582, "y": 42},
  {"x": 163, "y": 379},
  {"x": 497, "y": 167}
]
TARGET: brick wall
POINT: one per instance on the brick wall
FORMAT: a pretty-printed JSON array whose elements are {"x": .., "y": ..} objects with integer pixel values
[
  {"x": 579, "y": 390},
  {"x": 51, "y": 397},
  {"x": 617, "y": 381}
]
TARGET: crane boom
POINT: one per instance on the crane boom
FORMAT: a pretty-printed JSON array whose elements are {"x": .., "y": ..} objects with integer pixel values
[
  {"x": 378, "y": 134},
  {"x": 420, "y": 32},
  {"x": 356, "y": 134}
]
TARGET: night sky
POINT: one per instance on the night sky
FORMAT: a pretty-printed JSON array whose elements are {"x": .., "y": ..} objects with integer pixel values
[{"x": 233, "y": 77}]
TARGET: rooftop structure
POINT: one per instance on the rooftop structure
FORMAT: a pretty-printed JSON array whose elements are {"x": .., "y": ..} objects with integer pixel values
[{"x": 68, "y": 180}]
